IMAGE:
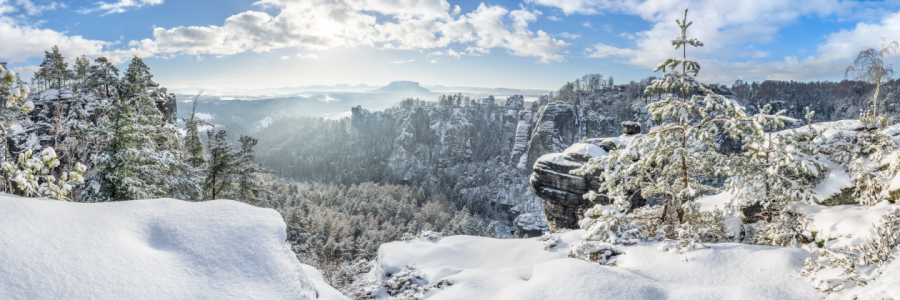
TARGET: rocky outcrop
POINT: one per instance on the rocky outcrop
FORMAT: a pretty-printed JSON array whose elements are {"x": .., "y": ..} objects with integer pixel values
[
  {"x": 563, "y": 193},
  {"x": 482, "y": 154}
]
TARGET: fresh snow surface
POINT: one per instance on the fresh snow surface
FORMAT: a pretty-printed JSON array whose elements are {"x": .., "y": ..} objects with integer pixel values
[
  {"x": 558, "y": 159},
  {"x": 585, "y": 150},
  {"x": 146, "y": 249},
  {"x": 836, "y": 179},
  {"x": 714, "y": 202},
  {"x": 487, "y": 268},
  {"x": 844, "y": 225},
  {"x": 338, "y": 115}
]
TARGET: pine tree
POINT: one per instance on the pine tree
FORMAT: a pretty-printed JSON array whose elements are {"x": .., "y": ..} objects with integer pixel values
[
  {"x": 137, "y": 77},
  {"x": 140, "y": 159},
  {"x": 193, "y": 144},
  {"x": 247, "y": 187},
  {"x": 82, "y": 69},
  {"x": 775, "y": 170},
  {"x": 220, "y": 165},
  {"x": 104, "y": 74},
  {"x": 677, "y": 158},
  {"x": 55, "y": 68}
]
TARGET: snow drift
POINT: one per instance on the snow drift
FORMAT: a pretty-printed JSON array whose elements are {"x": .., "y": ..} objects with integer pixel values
[
  {"x": 487, "y": 268},
  {"x": 147, "y": 249}
]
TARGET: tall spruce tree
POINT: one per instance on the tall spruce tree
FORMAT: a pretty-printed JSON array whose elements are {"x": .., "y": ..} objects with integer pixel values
[
  {"x": 247, "y": 187},
  {"x": 679, "y": 157},
  {"x": 220, "y": 165},
  {"x": 140, "y": 159}
]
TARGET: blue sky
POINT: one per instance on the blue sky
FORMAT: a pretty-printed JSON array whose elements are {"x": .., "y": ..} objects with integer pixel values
[{"x": 232, "y": 44}]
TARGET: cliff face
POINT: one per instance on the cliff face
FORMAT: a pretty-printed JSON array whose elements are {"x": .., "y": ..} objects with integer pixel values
[
  {"x": 562, "y": 193},
  {"x": 481, "y": 155}
]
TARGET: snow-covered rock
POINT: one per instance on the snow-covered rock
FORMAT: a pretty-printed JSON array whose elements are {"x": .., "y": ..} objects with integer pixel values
[
  {"x": 486, "y": 268},
  {"x": 563, "y": 193},
  {"x": 147, "y": 249}
]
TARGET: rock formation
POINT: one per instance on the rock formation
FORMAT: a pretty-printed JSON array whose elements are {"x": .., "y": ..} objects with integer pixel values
[{"x": 563, "y": 193}]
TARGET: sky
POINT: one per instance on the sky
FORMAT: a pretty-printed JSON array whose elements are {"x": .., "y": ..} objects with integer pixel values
[{"x": 533, "y": 44}]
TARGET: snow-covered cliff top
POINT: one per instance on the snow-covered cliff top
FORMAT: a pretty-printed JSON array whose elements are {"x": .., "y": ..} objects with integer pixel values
[{"x": 147, "y": 249}]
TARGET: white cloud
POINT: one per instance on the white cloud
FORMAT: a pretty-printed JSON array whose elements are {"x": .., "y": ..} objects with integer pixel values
[
  {"x": 307, "y": 56},
  {"x": 285, "y": 57},
  {"x": 436, "y": 53},
  {"x": 119, "y": 7},
  {"x": 603, "y": 51},
  {"x": 587, "y": 24},
  {"x": 433, "y": 61},
  {"x": 606, "y": 27},
  {"x": 450, "y": 52},
  {"x": 36, "y": 9},
  {"x": 326, "y": 24},
  {"x": 554, "y": 18},
  {"x": 731, "y": 29},
  {"x": 569, "y": 35},
  {"x": 400, "y": 61}
]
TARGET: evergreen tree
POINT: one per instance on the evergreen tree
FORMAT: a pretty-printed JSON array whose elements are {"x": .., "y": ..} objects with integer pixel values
[
  {"x": 775, "y": 170},
  {"x": 680, "y": 156},
  {"x": 220, "y": 165},
  {"x": 137, "y": 77},
  {"x": 140, "y": 159},
  {"x": 193, "y": 144},
  {"x": 82, "y": 69},
  {"x": 247, "y": 187},
  {"x": 55, "y": 68},
  {"x": 104, "y": 74}
]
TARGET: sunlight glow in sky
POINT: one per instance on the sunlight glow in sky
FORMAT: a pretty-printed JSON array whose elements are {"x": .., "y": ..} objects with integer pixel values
[{"x": 541, "y": 44}]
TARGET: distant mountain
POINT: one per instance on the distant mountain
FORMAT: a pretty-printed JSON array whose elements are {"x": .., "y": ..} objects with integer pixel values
[
  {"x": 486, "y": 91},
  {"x": 403, "y": 87}
]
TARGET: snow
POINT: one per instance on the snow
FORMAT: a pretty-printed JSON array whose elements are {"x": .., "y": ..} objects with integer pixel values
[
  {"x": 558, "y": 159},
  {"x": 338, "y": 115},
  {"x": 883, "y": 287},
  {"x": 584, "y": 150},
  {"x": 844, "y": 225},
  {"x": 146, "y": 249},
  {"x": 487, "y": 268},
  {"x": 714, "y": 202},
  {"x": 265, "y": 122},
  {"x": 835, "y": 180}
]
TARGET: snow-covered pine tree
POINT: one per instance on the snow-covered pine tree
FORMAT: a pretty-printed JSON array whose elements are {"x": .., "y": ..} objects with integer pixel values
[
  {"x": 219, "y": 166},
  {"x": 247, "y": 187},
  {"x": 192, "y": 143},
  {"x": 775, "y": 170},
  {"x": 140, "y": 159},
  {"x": 677, "y": 158}
]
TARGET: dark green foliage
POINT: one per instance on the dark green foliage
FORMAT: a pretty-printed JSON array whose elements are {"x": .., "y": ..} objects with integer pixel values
[
  {"x": 339, "y": 223},
  {"x": 219, "y": 166}
]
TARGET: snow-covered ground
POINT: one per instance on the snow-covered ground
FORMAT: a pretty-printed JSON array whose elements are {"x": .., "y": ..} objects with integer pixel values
[
  {"x": 467, "y": 267},
  {"x": 148, "y": 249},
  {"x": 487, "y": 268}
]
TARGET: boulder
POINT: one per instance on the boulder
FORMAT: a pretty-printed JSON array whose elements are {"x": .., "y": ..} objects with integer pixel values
[
  {"x": 563, "y": 193},
  {"x": 630, "y": 127}
]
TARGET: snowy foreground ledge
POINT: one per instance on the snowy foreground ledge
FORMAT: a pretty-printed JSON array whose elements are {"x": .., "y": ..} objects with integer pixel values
[
  {"x": 147, "y": 249},
  {"x": 486, "y": 268}
]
